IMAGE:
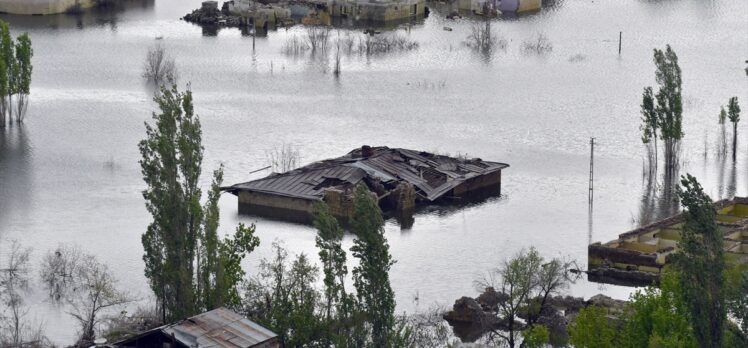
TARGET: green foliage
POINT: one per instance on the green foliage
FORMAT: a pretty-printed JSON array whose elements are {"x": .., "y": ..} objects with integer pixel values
[
  {"x": 649, "y": 117},
  {"x": 664, "y": 109},
  {"x": 733, "y": 114},
  {"x": 337, "y": 307},
  {"x": 23, "y": 67},
  {"x": 669, "y": 104},
  {"x": 535, "y": 337},
  {"x": 736, "y": 295},
  {"x": 211, "y": 277},
  {"x": 284, "y": 299},
  {"x": 700, "y": 262},
  {"x": 172, "y": 154},
  {"x": 658, "y": 317},
  {"x": 592, "y": 329},
  {"x": 733, "y": 110},
  {"x": 230, "y": 273},
  {"x": 15, "y": 73},
  {"x": 371, "y": 276},
  {"x": 188, "y": 268}
]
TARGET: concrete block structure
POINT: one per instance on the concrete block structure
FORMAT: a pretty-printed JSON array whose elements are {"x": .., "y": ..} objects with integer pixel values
[
  {"x": 637, "y": 257},
  {"x": 44, "y": 7}
]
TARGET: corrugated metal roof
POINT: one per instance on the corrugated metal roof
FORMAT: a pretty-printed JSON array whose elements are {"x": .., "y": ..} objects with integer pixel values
[
  {"x": 432, "y": 175},
  {"x": 218, "y": 328}
]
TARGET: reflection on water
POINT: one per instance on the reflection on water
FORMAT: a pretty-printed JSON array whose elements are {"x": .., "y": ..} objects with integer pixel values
[
  {"x": 15, "y": 173},
  {"x": 659, "y": 199},
  {"x": 106, "y": 16}
]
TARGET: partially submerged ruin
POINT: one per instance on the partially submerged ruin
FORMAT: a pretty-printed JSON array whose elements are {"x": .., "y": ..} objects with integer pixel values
[
  {"x": 400, "y": 178},
  {"x": 637, "y": 257}
]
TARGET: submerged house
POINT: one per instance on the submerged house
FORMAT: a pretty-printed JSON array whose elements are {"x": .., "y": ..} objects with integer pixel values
[
  {"x": 637, "y": 257},
  {"x": 217, "y": 328},
  {"x": 400, "y": 178}
]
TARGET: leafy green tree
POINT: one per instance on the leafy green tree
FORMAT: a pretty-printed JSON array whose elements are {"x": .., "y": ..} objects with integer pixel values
[
  {"x": 284, "y": 299},
  {"x": 668, "y": 107},
  {"x": 592, "y": 329},
  {"x": 701, "y": 264},
  {"x": 736, "y": 295},
  {"x": 22, "y": 74},
  {"x": 338, "y": 304},
  {"x": 371, "y": 276},
  {"x": 733, "y": 114},
  {"x": 723, "y": 136},
  {"x": 658, "y": 317},
  {"x": 649, "y": 122},
  {"x": 6, "y": 64},
  {"x": 171, "y": 158},
  {"x": 209, "y": 268},
  {"x": 535, "y": 337},
  {"x": 329, "y": 242},
  {"x": 230, "y": 275}
]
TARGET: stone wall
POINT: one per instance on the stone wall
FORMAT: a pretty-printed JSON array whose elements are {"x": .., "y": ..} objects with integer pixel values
[{"x": 43, "y": 7}]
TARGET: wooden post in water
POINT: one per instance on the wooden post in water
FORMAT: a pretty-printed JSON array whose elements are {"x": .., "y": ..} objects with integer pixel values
[
  {"x": 591, "y": 191},
  {"x": 592, "y": 170},
  {"x": 620, "y": 37}
]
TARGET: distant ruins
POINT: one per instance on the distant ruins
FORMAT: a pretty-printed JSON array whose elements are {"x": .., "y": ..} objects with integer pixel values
[
  {"x": 44, "y": 7},
  {"x": 637, "y": 257},
  {"x": 265, "y": 14},
  {"x": 400, "y": 178}
]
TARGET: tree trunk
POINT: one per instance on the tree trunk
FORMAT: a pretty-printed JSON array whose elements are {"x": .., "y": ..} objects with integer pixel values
[{"x": 734, "y": 140}]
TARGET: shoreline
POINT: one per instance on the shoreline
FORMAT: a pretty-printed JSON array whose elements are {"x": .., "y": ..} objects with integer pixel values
[{"x": 44, "y": 7}]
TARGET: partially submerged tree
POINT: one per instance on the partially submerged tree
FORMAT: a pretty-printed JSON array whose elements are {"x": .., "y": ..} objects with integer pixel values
[
  {"x": 723, "y": 133},
  {"x": 22, "y": 75},
  {"x": 16, "y": 330},
  {"x": 669, "y": 106},
  {"x": 14, "y": 281},
  {"x": 649, "y": 127},
  {"x": 733, "y": 114},
  {"x": 160, "y": 67},
  {"x": 15, "y": 74},
  {"x": 483, "y": 39},
  {"x": 284, "y": 158}
]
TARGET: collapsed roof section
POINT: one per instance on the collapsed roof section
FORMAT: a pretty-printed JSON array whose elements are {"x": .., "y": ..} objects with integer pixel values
[{"x": 433, "y": 176}]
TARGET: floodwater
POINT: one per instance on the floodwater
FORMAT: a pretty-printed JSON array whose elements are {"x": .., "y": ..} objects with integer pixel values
[{"x": 70, "y": 174}]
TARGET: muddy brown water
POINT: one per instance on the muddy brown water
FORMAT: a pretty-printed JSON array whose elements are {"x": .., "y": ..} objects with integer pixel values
[{"x": 71, "y": 173}]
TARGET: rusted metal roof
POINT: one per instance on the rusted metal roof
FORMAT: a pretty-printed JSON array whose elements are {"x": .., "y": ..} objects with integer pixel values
[
  {"x": 433, "y": 175},
  {"x": 217, "y": 328}
]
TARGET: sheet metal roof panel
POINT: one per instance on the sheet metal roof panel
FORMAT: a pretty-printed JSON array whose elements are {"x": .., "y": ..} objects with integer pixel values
[{"x": 218, "y": 328}]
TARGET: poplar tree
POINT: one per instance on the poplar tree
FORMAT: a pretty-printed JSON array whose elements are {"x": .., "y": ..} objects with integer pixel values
[
  {"x": 371, "y": 276},
  {"x": 22, "y": 74},
  {"x": 649, "y": 124},
  {"x": 171, "y": 159},
  {"x": 667, "y": 106},
  {"x": 723, "y": 136},
  {"x": 6, "y": 65},
  {"x": 733, "y": 114},
  {"x": 700, "y": 262}
]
